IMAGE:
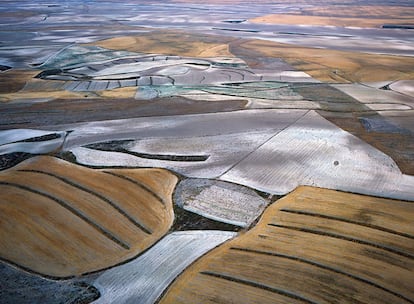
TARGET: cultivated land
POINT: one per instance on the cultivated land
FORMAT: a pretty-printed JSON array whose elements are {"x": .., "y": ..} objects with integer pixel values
[
  {"x": 166, "y": 43},
  {"x": 206, "y": 152},
  {"x": 48, "y": 201},
  {"x": 332, "y": 65},
  {"x": 344, "y": 16},
  {"x": 314, "y": 246}
]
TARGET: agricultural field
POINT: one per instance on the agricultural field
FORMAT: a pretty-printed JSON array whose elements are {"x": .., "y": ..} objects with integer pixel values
[{"x": 206, "y": 152}]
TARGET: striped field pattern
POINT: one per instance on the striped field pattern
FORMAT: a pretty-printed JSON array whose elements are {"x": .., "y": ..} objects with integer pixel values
[
  {"x": 60, "y": 219},
  {"x": 313, "y": 246}
]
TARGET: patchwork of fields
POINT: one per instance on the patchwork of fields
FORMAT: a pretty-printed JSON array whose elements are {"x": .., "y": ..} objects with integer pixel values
[{"x": 206, "y": 152}]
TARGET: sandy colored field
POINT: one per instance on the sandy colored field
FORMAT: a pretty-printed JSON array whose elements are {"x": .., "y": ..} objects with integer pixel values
[
  {"x": 21, "y": 85},
  {"x": 313, "y": 246},
  {"x": 344, "y": 15},
  {"x": 360, "y": 11},
  {"x": 43, "y": 95},
  {"x": 14, "y": 80},
  {"x": 332, "y": 21},
  {"x": 127, "y": 92},
  {"x": 59, "y": 219},
  {"x": 168, "y": 43},
  {"x": 331, "y": 65}
]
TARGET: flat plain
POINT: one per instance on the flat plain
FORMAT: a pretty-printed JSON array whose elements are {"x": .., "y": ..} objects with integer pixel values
[{"x": 190, "y": 151}]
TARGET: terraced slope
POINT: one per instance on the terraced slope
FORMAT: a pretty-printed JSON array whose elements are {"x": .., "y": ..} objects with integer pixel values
[
  {"x": 313, "y": 246},
  {"x": 59, "y": 219}
]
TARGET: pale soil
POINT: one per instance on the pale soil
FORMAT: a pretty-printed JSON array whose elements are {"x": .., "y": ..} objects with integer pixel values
[
  {"x": 328, "y": 21},
  {"x": 169, "y": 44},
  {"x": 315, "y": 243},
  {"x": 335, "y": 66}
]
